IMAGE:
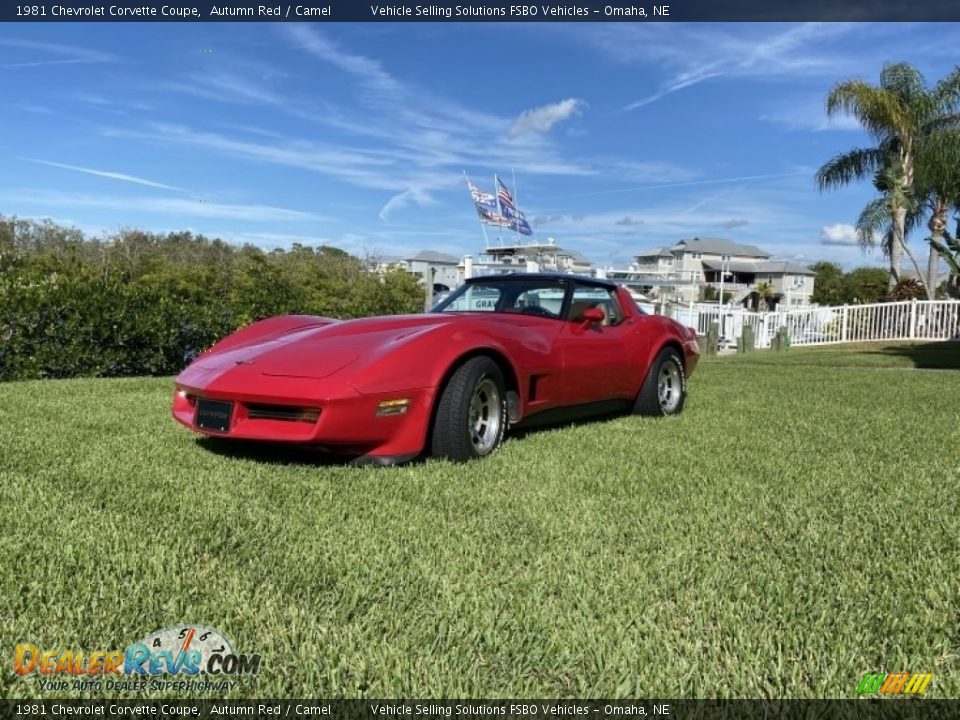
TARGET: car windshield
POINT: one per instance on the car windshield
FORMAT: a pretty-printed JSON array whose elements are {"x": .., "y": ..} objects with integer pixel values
[{"x": 529, "y": 297}]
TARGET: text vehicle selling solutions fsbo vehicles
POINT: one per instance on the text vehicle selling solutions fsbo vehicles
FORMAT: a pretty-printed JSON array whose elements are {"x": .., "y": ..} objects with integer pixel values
[{"x": 501, "y": 351}]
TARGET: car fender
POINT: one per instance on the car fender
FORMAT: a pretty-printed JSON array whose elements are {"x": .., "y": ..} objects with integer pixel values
[
  {"x": 423, "y": 359},
  {"x": 670, "y": 332}
]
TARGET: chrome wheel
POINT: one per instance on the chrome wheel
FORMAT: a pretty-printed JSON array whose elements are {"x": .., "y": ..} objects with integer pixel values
[
  {"x": 669, "y": 387},
  {"x": 486, "y": 416}
]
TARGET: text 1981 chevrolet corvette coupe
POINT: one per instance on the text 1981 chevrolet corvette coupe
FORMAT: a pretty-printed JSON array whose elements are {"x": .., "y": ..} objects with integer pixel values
[{"x": 501, "y": 351}]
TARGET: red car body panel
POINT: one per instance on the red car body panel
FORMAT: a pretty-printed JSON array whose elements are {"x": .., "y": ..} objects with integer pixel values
[{"x": 306, "y": 379}]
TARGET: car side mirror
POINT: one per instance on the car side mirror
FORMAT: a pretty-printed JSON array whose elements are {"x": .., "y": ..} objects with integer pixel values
[{"x": 592, "y": 316}]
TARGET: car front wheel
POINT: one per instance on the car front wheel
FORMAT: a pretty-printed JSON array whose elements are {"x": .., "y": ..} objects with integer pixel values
[
  {"x": 665, "y": 389},
  {"x": 471, "y": 413}
]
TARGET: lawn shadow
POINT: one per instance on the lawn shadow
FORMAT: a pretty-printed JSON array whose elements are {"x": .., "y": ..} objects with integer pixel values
[
  {"x": 272, "y": 453},
  {"x": 942, "y": 355},
  {"x": 565, "y": 420},
  {"x": 294, "y": 454}
]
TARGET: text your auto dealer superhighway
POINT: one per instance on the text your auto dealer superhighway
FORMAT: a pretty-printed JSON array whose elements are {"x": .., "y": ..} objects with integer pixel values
[{"x": 123, "y": 11}]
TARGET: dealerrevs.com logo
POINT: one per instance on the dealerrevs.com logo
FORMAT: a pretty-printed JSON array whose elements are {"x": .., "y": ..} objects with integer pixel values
[{"x": 199, "y": 658}]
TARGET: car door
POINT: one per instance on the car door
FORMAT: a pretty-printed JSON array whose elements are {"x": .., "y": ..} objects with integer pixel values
[{"x": 597, "y": 363}]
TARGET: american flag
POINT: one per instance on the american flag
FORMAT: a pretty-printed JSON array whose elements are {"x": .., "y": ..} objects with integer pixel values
[{"x": 504, "y": 197}]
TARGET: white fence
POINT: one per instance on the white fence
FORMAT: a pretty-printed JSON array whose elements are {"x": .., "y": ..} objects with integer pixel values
[{"x": 908, "y": 320}]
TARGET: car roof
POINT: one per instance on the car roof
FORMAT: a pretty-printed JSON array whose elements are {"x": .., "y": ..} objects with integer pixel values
[{"x": 586, "y": 279}]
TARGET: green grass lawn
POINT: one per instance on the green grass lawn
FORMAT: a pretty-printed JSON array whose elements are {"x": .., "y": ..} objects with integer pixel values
[{"x": 796, "y": 527}]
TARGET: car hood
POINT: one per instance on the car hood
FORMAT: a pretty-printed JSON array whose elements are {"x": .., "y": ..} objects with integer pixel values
[{"x": 320, "y": 352}]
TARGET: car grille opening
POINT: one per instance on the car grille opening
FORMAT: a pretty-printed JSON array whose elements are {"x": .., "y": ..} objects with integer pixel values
[{"x": 282, "y": 412}]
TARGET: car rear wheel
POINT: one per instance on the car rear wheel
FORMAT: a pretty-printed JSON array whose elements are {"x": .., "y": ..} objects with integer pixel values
[
  {"x": 665, "y": 389},
  {"x": 471, "y": 413}
]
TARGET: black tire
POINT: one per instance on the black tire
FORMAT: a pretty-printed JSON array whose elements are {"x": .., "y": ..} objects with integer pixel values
[
  {"x": 471, "y": 415},
  {"x": 654, "y": 399}
]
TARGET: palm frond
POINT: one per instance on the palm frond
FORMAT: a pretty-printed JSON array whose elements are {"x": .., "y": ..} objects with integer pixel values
[
  {"x": 874, "y": 221},
  {"x": 915, "y": 220},
  {"x": 855, "y": 164},
  {"x": 948, "y": 121},
  {"x": 952, "y": 260},
  {"x": 903, "y": 80},
  {"x": 937, "y": 165},
  {"x": 876, "y": 109},
  {"x": 946, "y": 93}
]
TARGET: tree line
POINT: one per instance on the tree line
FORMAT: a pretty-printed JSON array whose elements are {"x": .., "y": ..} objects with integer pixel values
[
  {"x": 144, "y": 303},
  {"x": 832, "y": 286},
  {"x": 913, "y": 163}
]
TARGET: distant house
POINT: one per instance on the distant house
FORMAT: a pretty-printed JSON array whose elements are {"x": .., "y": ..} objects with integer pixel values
[
  {"x": 444, "y": 267},
  {"x": 690, "y": 265}
]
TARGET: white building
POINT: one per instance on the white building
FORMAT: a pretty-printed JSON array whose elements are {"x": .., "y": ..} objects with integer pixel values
[
  {"x": 525, "y": 257},
  {"x": 445, "y": 273},
  {"x": 683, "y": 270}
]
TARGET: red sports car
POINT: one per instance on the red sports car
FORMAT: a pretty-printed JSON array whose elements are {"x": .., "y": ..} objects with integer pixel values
[{"x": 500, "y": 352}]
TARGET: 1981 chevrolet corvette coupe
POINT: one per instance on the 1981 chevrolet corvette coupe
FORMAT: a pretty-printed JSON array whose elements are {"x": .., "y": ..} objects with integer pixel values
[{"x": 501, "y": 351}]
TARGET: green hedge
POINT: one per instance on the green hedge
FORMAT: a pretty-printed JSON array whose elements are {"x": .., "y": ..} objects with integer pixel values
[{"x": 146, "y": 304}]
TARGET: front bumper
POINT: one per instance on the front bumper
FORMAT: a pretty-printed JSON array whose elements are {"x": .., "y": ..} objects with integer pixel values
[{"x": 340, "y": 420}]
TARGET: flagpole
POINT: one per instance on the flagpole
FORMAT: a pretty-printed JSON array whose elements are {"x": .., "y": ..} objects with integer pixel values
[
  {"x": 516, "y": 204},
  {"x": 496, "y": 191},
  {"x": 483, "y": 228}
]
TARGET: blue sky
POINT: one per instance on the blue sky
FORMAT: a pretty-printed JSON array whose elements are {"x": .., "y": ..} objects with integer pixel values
[{"x": 621, "y": 136}]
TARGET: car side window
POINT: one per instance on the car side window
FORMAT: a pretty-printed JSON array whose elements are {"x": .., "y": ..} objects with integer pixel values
[
  {"x": 476, "y": 299},
  {"x": 590, "y": 296},
  {"x": 540, "y": 300}
]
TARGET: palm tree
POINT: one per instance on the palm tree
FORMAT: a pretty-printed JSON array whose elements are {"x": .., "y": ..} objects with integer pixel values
[
  {"x": 949, "y": 250},
  {"x": 876, "y": 220},
  {"x": 764, "y": 293},
  {"x": 938, "y": 188},
  {"x": 897, "y": 113}
]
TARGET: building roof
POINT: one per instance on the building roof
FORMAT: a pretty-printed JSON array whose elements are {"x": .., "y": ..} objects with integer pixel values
[
  {"x": 655, "y": 252},
  {"x": 432, "y": 256},
  {"x": 784, "y": 266},
  {"x": 720, "y": 246},
  {"x": 770, "y": 267},
  {"x": 737, "y": 266}
]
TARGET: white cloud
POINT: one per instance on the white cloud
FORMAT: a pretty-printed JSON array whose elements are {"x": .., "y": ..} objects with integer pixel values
[
  {"x": 178, "y": 207},
  {"x": 681, "y": 184},
  {"x": 401, "y": 200},
  {"x": 807, "y": 112},
  {"x": 106, "y": 174},
  {"x": 365, "y": 69},
  {"x": 542, "y": 119},
  {"x": 367, "y": 169},
  {"x": 229, "y": 88},
  {"x": 683, "y": 80},
  {"x": 36, "y": 109},
  {"x": 41, "y": 53},
  {"x": 420, "y": 130},
  {"x": 838, "y": 234},
  {"x": 687, "y": 54}
]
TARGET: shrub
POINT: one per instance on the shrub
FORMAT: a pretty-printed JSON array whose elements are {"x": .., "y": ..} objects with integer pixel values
[{"x": 146, "y": 304}]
